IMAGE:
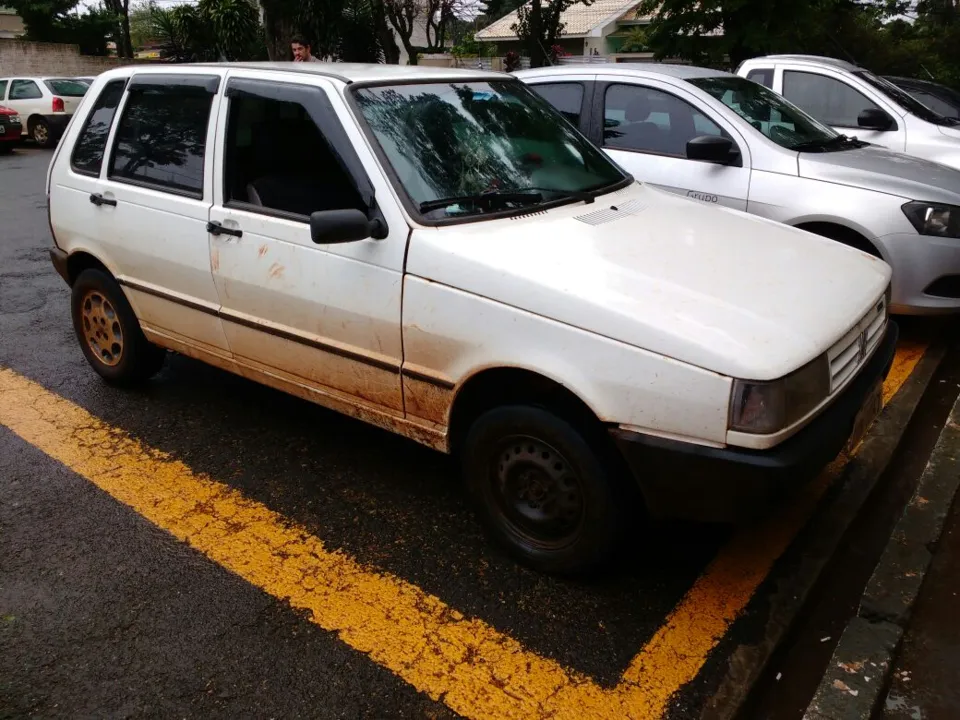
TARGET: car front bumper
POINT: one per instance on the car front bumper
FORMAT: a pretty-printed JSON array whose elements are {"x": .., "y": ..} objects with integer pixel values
[
  {"x": 696, "y": 482},
  {"x": 918, "y": 261}
]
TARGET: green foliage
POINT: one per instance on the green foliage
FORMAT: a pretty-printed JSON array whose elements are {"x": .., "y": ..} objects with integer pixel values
[
  {"x": 56, "y": 21},
  {"x": 636, "y": 41},
  {"x": 469, "y": 46},
  {"x": 538, "y": 26},
  {"x": 208, "y": 31},
  {"x": 863, "y": 32}
]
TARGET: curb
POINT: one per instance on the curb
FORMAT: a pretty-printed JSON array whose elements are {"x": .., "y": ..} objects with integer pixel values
[
  {"x": 824, "y": 533},
  {"x": 857, "y": 676}
]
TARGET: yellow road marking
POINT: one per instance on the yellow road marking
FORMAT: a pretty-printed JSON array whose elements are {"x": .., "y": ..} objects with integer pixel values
[{"x": 474, "y": 669}]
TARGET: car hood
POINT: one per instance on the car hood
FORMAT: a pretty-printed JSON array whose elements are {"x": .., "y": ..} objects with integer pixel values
[
  {"x": 885, "y": 171},
  {"x": 729, "y": 292}
]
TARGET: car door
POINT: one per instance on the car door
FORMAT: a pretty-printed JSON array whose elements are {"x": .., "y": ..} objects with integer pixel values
[
  {"x": 25, "y": 96},
  {"x": 835, "y": 100},
  {"x": 152, "y": 200},
  {"x": 325, "y": 317},
  {"x": 644, "y": 125}
]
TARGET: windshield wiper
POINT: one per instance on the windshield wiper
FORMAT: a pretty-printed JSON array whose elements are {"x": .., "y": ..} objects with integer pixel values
[
  {"x": 834, "y": 142},
  {"x": 583, "y": 195},
  {"x": 483, "y": 199}
]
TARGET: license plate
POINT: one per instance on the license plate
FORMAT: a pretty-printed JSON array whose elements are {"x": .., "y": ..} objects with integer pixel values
[{"x": 865, "y": 417}]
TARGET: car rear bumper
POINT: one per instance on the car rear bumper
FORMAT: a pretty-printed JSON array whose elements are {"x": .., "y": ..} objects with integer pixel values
[{"x": 695, "y": 482}]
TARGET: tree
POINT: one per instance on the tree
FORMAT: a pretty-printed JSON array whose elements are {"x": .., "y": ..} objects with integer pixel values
[
  {"x": 209, "y": 31},
  {"x": 538, "y": 27},
  {"x": 121, "y": 9},
  {"x": 55, "y": 21}
]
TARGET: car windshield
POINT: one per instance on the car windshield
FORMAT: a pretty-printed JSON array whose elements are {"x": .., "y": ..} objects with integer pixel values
[
  {"x": 903, "y": 98},
  {"x": 491, "y": 140},
  {"x": 772, "y": 115},
  {"x": 67, "y": 88}
]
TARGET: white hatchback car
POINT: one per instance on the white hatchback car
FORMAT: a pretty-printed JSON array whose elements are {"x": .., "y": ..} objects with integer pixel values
[
  {"x": 718, "y": 138},
  {"x": 439, "y": 253},
  {"x": 853, "y": 100},
  {"x": 45, "y": 104}
]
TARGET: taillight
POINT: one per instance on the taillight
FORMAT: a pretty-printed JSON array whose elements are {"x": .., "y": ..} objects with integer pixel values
[{"x": 58, "y": 104}]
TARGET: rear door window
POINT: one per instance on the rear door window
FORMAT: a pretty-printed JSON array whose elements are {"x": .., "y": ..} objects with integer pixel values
[
  {"x": 161, "y": 139},
  {"x": 24, "y": 90},
  {"x": 567, "y": 97},
  {"x": 92, "y": 140},
  {"x": 762, "y": 76}
]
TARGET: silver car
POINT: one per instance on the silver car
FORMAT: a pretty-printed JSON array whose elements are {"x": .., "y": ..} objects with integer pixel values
[
  {"x": 720, "y": 139},
  {"x": 853, "y": 100}
]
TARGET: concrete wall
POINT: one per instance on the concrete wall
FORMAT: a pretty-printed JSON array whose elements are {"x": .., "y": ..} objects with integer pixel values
[{"x": 31, "y": 58}]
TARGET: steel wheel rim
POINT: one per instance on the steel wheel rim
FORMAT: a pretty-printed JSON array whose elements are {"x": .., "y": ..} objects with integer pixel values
[
  {"x": 538, "y": 492},
  {"x": 40, "y": 133},
  {"x": 101, "y": 328}
]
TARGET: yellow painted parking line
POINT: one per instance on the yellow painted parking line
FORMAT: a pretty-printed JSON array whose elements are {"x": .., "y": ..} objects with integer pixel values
[{"x": 476, "y": 670}]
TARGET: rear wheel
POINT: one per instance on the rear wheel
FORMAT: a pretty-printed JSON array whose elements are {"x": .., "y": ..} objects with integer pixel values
[
  {"x": 109, "y": 334},
  {"x": 40, "y": 132},
  {"x": 541, "y": 491}
]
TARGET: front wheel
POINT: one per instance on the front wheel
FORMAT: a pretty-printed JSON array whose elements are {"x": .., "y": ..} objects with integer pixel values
[
  {"x": 541, "y": 490},
  {"x": 109, "y": 334}
]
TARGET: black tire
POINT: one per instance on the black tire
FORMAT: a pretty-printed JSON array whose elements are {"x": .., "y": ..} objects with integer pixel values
[
  {"x": 541, "y": 491},
  {"x": 109, "y": 333},
  {"x": 40, "y": 133}
]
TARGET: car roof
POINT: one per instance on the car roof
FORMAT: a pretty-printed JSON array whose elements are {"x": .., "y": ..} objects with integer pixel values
[
  {"x": 346, "y": 72},
  {"x": 811, "y": 59},
  {"x": 681, "y": 72}
]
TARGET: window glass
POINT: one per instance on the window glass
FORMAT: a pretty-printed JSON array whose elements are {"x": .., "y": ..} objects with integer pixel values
[
  {"x": 770, "y": 114},
  {"x": 24, "y": 90},
  {"x": 92, "y": 141},
  {"x": 649, "y": 120},
  {"x": 67, "y": 88},
  {"x": 762, "y": 77},
  {"x": 456, "y": 146},
  {"x": 268, "y": 142},
  {"x": 162, "y": 137},
  {"x": 936, "y": 104},
  {"x": 830, "y": 101},
  {"x": 3, "y": 89},
  {"x": 565, "y": 97}
]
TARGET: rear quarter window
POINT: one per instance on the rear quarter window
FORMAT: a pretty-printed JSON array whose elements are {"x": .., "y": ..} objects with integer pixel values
[{"x": 91, "y": 143}]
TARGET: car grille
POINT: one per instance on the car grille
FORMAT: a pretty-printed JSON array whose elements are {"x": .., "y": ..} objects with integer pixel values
[{"x": 848, "y": 355}]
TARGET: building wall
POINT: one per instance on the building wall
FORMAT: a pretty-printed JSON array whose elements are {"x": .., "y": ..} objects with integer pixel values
[{"x": 18, "y": 57}]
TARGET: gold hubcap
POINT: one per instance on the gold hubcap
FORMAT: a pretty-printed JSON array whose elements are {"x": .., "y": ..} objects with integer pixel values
[{"x": 101, "y": 328}]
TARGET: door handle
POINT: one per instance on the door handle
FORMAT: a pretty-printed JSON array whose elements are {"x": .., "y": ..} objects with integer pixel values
[
  {"x": 98, "y": 200},
  {"x": 215, "y": 228}
]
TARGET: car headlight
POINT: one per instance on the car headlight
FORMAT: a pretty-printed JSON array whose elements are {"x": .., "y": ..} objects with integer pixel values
[
  {"x": 763, "y": 408},
  {"x": 15, "y": 119},
  {"x": 934, "y": 218}
]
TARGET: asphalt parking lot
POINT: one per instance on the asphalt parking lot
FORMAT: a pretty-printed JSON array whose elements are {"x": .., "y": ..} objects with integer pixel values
[{"x": 206, "y": 547}]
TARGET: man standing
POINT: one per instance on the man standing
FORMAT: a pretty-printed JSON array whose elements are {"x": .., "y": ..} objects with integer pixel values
[{"x": 301, "y": 50}]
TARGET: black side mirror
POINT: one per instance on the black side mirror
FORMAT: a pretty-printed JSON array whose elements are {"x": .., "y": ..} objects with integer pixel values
[
  {"x": 328, "y": 227},
  {"x": 713, "y": 149},
  {"x": 875, "y": 119}
]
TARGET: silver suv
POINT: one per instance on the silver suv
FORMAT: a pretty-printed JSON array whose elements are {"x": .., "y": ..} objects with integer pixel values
[
  {"x": 720, "y": 139},
  {"x": 853, "y": 100}
]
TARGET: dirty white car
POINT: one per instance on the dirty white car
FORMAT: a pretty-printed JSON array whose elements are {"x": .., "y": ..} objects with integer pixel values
[{"x": 439, "y": 253}]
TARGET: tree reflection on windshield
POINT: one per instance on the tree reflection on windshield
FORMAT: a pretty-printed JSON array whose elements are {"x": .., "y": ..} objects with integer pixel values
[{"x": 454, "y": 140}]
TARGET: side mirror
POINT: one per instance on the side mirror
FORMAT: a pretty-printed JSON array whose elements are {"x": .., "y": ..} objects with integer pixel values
[
  {"x": 329, "y": 227},
  {"x": 713, "y": 149},
  {"x": 875, "y": 119}
]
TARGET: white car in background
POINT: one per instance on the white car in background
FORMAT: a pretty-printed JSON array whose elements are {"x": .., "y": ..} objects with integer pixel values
[
  {"x": 45, "y": 104},
  {"x": 853, "y": 100},
  {"x": 720, "y": 139}
]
